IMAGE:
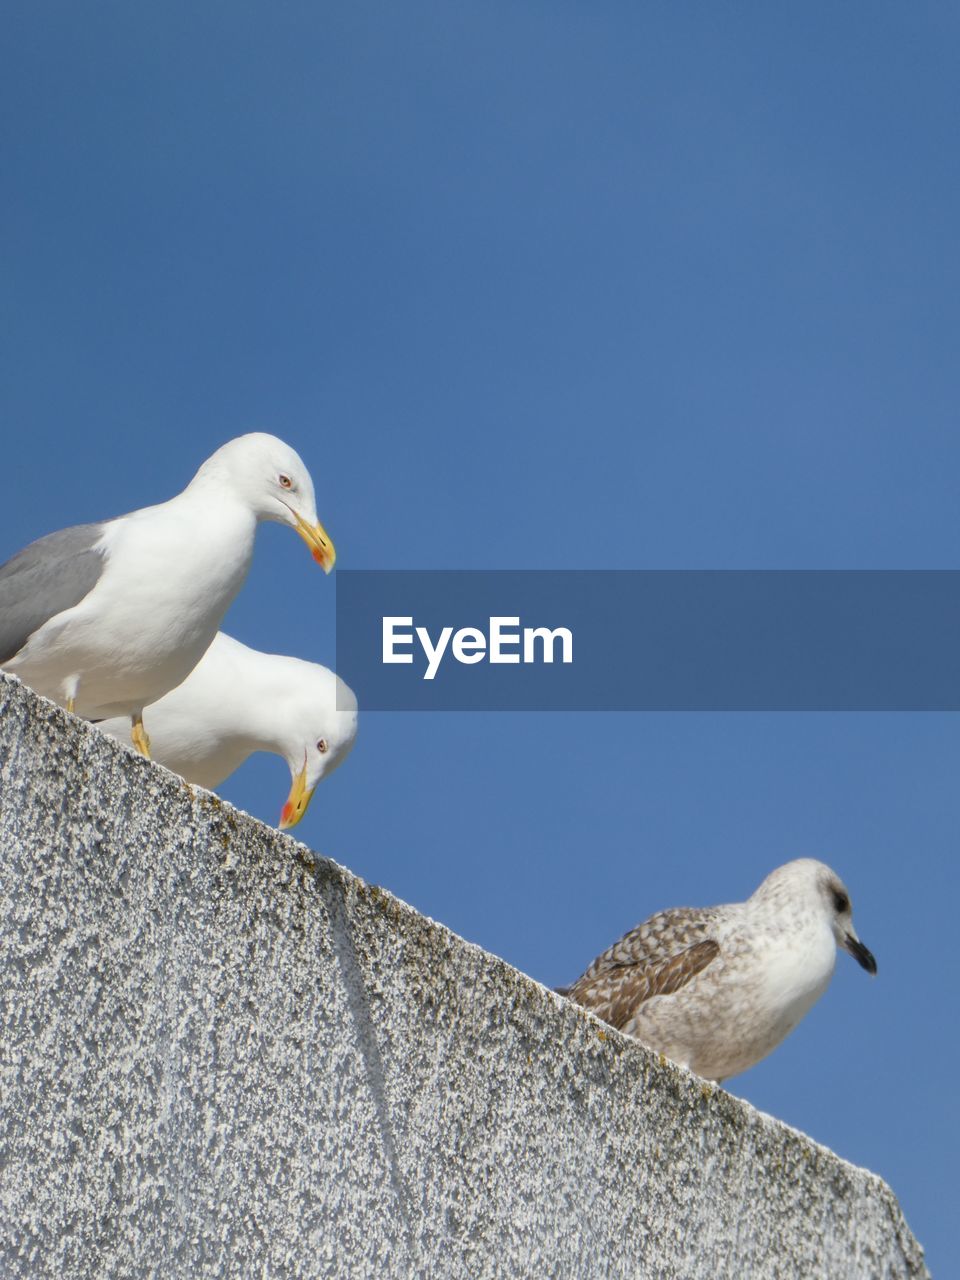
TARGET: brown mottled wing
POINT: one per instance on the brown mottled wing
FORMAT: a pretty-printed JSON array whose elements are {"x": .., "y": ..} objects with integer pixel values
[{"x": 656, "y": 958}]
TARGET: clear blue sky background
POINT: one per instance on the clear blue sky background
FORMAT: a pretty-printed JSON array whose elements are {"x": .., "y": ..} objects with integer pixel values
[{"x": 539, "y": 285}]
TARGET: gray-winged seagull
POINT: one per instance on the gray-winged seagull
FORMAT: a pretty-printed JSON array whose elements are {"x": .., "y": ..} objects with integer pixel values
[
  {"x": 236, "y": 701},
  {"x": 106, "y": 618}
]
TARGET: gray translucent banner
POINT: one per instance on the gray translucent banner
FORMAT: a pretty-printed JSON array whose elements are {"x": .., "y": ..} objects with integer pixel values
[{"x": 697, "y": 640}]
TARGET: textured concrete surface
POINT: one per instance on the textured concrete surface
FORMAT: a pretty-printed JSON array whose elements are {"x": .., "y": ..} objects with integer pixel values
[{"x": 223, "y": 1057}]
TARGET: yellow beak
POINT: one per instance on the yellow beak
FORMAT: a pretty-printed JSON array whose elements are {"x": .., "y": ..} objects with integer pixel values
[
  {"x": 297, "y": 801},
  {"x": 318, "y": 540}
]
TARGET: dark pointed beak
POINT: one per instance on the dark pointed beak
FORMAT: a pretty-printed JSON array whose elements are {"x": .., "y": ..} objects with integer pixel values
[{"x": 860, "y": 953}]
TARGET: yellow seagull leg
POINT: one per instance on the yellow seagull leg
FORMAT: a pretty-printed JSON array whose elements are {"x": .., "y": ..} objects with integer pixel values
[
  {"x": 72, "y": 705},
  {"x": 139, "y": 735}
]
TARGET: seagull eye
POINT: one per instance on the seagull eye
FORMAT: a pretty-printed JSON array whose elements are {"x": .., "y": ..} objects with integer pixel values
[
  {"x": 841, "y": 901},
  {"x": 322, "y": 746},
  {"x": 285, "y": 481}
]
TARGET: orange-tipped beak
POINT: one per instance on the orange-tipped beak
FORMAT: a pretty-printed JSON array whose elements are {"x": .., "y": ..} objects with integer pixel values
[
  {"x": 297, "y": 801},
  {"x": 318, "y": 540}
]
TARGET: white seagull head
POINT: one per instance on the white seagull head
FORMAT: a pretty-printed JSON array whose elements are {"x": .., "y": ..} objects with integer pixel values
[
  {"x": 271, "y": 478},
  {"x": 318, "y": 727},
  {"x": 812, "y": 885}
]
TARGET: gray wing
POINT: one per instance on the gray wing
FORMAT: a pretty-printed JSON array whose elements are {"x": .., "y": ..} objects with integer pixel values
[{"x": 50, "y": 575}]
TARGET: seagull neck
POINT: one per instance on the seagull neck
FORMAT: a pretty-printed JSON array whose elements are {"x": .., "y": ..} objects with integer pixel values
[
  {"x": 260, "y": 715},
  {"x": 212, "y": 490},
  {"x": 221, "y": 518}
]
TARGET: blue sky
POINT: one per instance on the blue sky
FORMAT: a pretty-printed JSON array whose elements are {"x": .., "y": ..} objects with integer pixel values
[{"x": 539, "y": 285}]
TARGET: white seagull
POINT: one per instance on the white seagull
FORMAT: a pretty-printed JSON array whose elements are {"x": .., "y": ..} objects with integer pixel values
[
  {"x": 237, "y": 701},
  {"x": 716, "y": 989},
  {"x": 106, "y": 618}
]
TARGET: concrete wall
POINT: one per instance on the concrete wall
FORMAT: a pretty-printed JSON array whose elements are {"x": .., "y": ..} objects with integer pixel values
[{"x": 223, "y": 1057}]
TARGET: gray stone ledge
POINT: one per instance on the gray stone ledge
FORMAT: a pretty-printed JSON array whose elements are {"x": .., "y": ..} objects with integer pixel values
[{"x": 224, "y": 1056}]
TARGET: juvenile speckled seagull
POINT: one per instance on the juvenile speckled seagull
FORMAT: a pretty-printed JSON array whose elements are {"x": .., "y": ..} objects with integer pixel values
[
  {"x": 716, "y": 989},
  {"x": 106, "y": 618},
  {"x": 236, "y": 701}
]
